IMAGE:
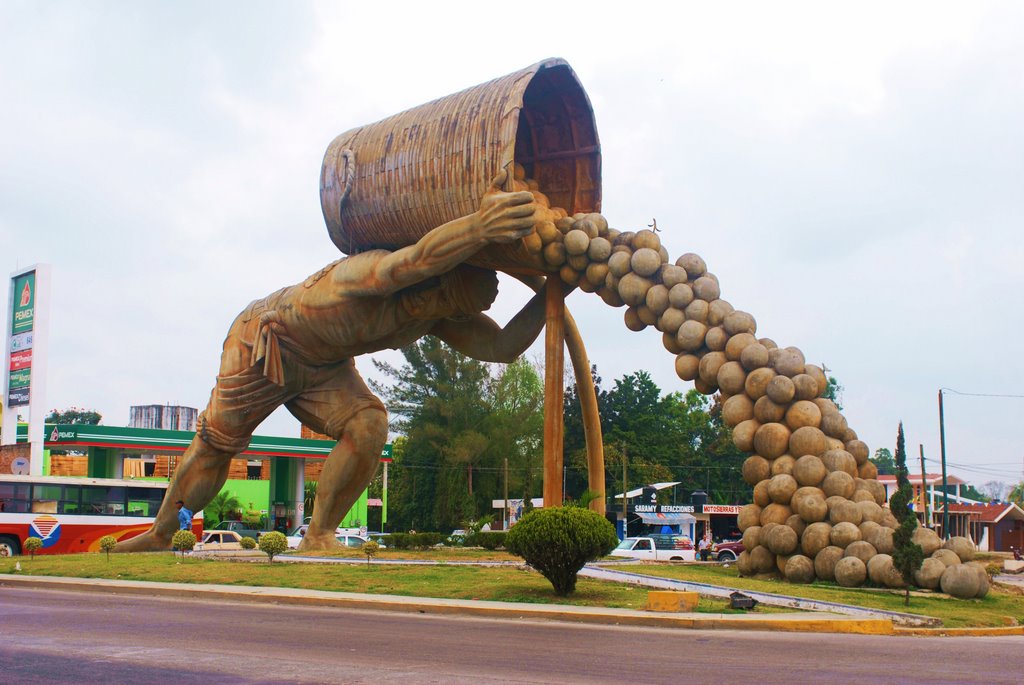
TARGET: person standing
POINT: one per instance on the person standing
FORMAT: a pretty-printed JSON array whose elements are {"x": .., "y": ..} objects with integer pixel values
[{"x": 184, "y": 516}]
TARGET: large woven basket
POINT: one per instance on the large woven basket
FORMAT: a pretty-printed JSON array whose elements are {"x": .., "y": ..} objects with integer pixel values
[{"x": 387, "y": 184}]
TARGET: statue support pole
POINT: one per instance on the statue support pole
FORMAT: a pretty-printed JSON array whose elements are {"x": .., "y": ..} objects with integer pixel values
[
  {"x": 554, "y": 367},
  {"x": 588, "y": 408}
]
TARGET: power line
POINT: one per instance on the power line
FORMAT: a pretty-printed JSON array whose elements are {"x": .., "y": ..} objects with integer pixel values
[{"x": 981, "y": 394}]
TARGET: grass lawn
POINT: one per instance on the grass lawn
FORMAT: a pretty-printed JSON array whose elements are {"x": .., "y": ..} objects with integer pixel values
[
  {"x": 999, "y": 608},
  {"x": 506, "y": 584}
]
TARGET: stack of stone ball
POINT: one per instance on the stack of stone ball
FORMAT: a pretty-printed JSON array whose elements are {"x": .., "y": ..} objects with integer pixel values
[{"x": 818, "y": 507}]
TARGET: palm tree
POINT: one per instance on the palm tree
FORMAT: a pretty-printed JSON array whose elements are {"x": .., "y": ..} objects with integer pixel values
[
  {"x": 308, "y": 498},
  {"x": 220, "y": 506},
  {"x": 1017, "y": 494}
]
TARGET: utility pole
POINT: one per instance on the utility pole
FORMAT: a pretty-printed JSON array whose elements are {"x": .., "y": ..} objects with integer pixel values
[
  {"x": 504, "y": 504},
  {"x": 945, "y": 487},
  {"x": 924, "y": 496},
  {"x": 624, "y": 489}
]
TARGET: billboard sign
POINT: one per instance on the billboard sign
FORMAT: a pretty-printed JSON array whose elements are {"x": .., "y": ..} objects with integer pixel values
[
  {"x": 23, "y": 301},
  {"x": 23, "y": 312}
]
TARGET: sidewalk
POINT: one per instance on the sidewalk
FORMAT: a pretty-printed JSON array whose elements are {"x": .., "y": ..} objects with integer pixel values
[{"x": 818, "y": 622}]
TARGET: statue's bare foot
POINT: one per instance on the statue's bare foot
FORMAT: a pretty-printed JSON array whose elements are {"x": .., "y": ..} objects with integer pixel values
[
  {"x": 320, "y": 542},
  {"x": 150, "y": 541}
]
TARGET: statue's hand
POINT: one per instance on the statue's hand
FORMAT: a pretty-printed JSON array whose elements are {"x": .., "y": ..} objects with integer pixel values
[{"x": 505, "y": 217}]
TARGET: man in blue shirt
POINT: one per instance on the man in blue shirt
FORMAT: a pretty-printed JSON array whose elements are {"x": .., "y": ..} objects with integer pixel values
[{"x": 184, "y": 516}]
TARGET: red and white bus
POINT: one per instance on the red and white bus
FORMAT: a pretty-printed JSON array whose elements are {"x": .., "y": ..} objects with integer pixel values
[{"x": 72, "y": 514}]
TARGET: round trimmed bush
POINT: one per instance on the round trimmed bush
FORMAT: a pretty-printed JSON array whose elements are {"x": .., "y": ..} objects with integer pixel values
[
  {"x": 559, "y": 541},
  {"x": 184, "y": 541},
  {"x": 247, "y": 543},
  {"x": 273, "y": 543}
]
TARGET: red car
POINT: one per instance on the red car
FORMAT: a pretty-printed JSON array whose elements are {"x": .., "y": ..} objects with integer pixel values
[{"x": 727, "y": 550}]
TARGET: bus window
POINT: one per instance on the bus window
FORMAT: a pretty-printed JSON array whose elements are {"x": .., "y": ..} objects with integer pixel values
[
  {"x": 45, "y": 498},
  {"x": 144, "y": 501},
  {"x": 102, "y": 499},
  {"x": 14, "y": 498},
  {"x": 70, "y": 502}
]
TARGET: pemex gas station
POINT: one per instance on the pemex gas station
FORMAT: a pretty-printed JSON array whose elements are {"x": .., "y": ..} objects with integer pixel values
[{"x": 270, "y": 476}]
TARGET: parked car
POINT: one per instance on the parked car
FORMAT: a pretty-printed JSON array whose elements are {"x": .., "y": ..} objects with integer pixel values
[
  {"x": 343, "y": 535},
  {"x": 380, "y": 538},
  {"x": 657, "y": 548},
  {"x": 219, "y": 540},
  {"x": 727, "y": 550},
  {"x": 241, "y": 527}
]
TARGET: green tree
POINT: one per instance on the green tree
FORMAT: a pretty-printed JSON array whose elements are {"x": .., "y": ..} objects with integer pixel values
[
  {"x": 74, "y": 415},
  {"x": 370, "y": 549},
  {"x": 883, "y": 461},
  {"x": 33, "y": 545},
  {"x": 559, "y": 541},
  {"x": 834, "y": 392},
  {"x": 184, "y": 541},
  {"x": 907, "y": 556},
  {"x": 670, "y": 437},
  {"x": 1017, "y": 494},
  {"x": 273, "y": 543},
  {"x": 220, "y": 508},
  {"x": 460, "y": 421},
  {"x": 108, "y": 543}
]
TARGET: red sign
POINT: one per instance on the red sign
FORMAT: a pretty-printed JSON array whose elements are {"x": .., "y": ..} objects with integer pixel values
[
  {"x": 721, "y": 509},
  {"x": 21, "y": 360}
]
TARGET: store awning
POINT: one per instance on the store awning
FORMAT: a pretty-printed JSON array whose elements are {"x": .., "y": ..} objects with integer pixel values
[{"x": 667, "y": 519}]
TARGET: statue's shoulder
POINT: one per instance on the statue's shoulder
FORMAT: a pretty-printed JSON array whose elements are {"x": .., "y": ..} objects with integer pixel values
[{"x": 353, "y": 267}]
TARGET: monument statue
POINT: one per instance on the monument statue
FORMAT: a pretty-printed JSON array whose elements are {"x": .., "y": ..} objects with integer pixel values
[{"x": 296, "y": 348}]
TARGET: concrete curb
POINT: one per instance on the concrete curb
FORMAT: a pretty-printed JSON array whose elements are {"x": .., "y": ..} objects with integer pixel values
[
  {"x": 803, "y": 622},
  {"x": 961, "y": 632}
]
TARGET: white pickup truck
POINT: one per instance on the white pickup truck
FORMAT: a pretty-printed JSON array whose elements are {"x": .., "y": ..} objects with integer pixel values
[{"x": 657, "y": 548}]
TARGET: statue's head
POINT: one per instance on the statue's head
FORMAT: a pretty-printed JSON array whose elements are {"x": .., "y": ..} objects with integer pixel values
[{"x": 463, "y": 291}]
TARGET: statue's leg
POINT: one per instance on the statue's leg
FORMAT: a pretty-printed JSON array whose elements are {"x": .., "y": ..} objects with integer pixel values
[
  {"x": 240, "y": 401},
  {"x": 197, "y": 480},
  {"x": 340, "y": 405},
  {"x": 348, "y": 470}
]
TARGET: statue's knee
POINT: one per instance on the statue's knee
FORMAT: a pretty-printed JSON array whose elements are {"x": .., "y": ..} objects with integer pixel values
[{"x": 369, "y": 429}]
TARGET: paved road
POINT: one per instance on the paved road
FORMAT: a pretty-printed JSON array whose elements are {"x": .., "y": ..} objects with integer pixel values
[{"x": 48, "y": 636}]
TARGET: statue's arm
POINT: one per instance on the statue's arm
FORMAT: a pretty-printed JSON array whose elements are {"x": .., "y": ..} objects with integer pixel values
[
  {"x": 502, "y": 218},
  {"x": 481, "y": 338}
]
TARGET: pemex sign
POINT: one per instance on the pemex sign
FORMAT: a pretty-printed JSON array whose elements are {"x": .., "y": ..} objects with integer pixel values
[{"x": 19, "y": 380}]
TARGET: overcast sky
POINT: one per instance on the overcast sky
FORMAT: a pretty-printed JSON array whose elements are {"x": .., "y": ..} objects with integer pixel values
[{"x": 854, "y": 176}]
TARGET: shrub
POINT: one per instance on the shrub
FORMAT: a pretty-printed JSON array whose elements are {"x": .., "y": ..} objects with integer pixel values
[
  {"x": 273, "y": 543},
  {"x": 558, "y": 542},
  {"x": 184, "y": 541},
  {"x": 414, "y": 540},
  {"x": 370, "y": 549},
  {"x": 248, "y": 543},
  {"x": 491, "y": 540},
  {"x": 33, "y": 545},
  {"x": 107, "y": 543}
]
